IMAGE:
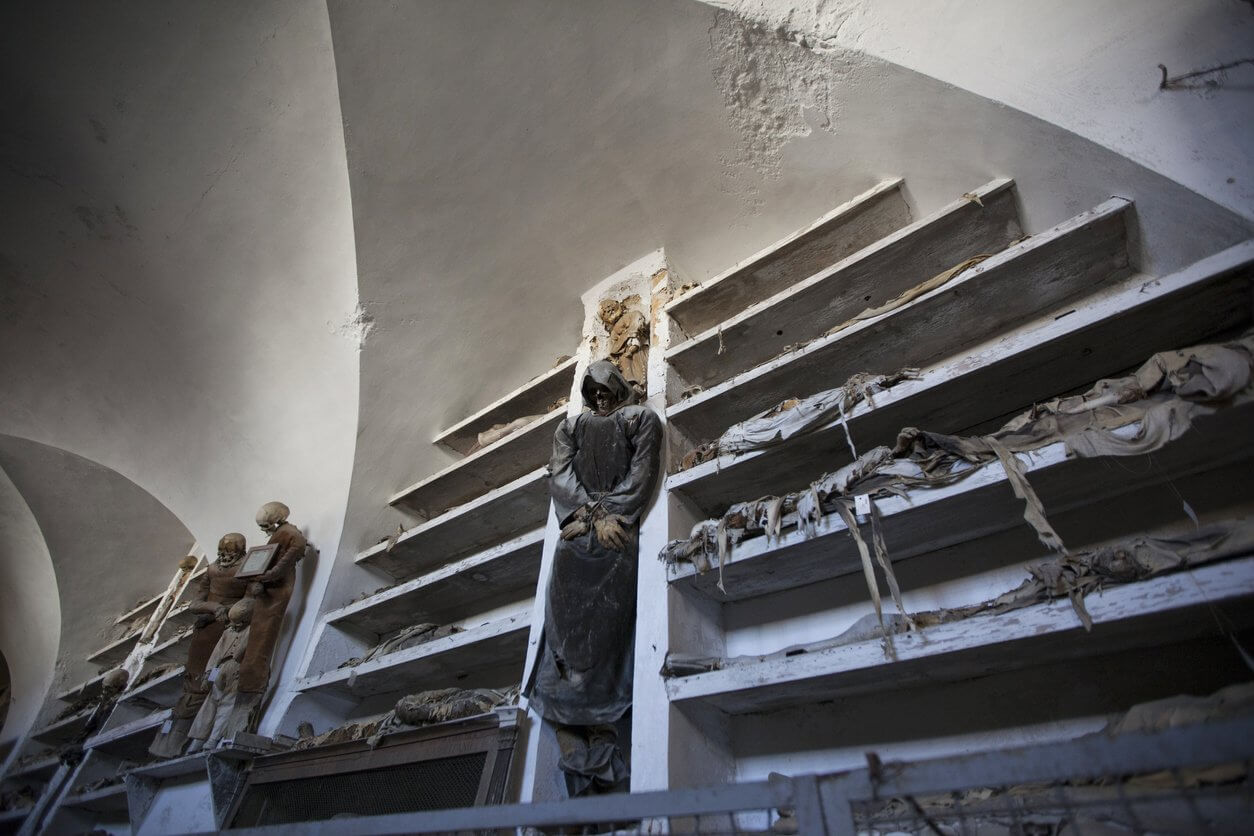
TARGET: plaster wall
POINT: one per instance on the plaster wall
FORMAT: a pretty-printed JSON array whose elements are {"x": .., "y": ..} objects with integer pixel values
[
  {"x": 177, "y": 274},
  {"x": 1088, "y": 66},
  {"x": 572, "y": 138},
  {"x": 30, "y": 610},
  {"x": 111, "y": 543}
]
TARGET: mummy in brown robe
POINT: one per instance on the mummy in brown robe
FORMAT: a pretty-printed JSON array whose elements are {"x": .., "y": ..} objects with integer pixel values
[
  {"x": 211, "y": 598},
  {"x": 272, "y": 591},
  {"x": 604, "y": 466}
]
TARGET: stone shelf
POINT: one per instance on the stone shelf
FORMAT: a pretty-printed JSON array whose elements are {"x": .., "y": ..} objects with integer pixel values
[
  {"x": 534, "y": 397},
  {"x": 930, "y": 519},
  {"x": 191, "y": 581},
  {"x": 872, "y": 276},
  {"x": 12, "y": 817},
  {"x": 1022, "y": 281},
  {"x": 173, "y": 649},
  {"x": 1113, "y": 330},
  {"x": 83, "y": 689},
  {"x": 64, "y": 730},
  {"x": 110, "y": 799},
  {"x": 488, "y": 655},
  {"x": 180, "y": 616},
  {"x": 491, "y": 578},
  {"x": 115, "y": 652},
  {"x": 149, "y": 607},
  {"x": 491, "y": 519},
  {"x": 39, "y": 770},
  {"x": 129, "y": 741},
  {"x": 192, "y": 764},
  {"x": 860, "y": 222},
  {"x": 1167, "y": 608},
  {"x": 161, "y": 692},
  {"x": 502, "y": 461}
]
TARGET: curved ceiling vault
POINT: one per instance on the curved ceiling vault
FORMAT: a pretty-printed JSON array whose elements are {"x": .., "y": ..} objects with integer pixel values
[{"x": 106, "y": 545}]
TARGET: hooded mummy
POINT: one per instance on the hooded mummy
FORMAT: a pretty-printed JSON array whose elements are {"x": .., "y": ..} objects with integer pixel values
[{"x": 603, "y": 464}]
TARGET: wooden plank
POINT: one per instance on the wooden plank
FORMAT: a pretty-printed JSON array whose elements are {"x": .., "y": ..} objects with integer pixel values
[
  {"x": 1171, "y": 607},
  {"x": 88, "y": 689},
  {"x": 534, "y": 397},
  {"x": 170, "y": 651},
  {"x": 115, "y": 652},
  {"x": 484, "y": 470},
  {"x": 1076, "y": 257},
  {"x": 868, "y": 278},
  {"x": 497, "y": 516},
  {"x": 111, "y": 799},
  {"x": 843, "y": 231},
  {"x": 930, "y": 519},
  {"x": 38, "y": 770},
  {"x": 490, "y": 655},
  {"x": 129, "y": 741},
  {"x": 162, "y": 691},
  {"x": 64, "y": 730},
  {"x": 1101, "y": 335},
  {"x": 481, "y": 582},
  {"x": 150, "y": 604}
]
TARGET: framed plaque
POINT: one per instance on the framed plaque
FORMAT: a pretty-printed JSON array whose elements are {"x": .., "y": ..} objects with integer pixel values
[{"x": 257, "y": 560}]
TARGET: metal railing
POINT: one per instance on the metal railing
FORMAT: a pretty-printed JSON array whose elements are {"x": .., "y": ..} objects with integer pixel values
[{"x": 1190, "y": 780}]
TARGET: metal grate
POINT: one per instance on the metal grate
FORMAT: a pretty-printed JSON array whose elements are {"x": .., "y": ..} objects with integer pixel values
[
  {"x": 1216, "y": 800},
  {"x": 413, "y": 787}
]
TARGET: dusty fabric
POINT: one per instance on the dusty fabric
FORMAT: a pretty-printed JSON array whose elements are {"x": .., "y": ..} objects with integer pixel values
[
  {"x": 939, "y": 280},
  {"x": 1162, "y": 398},
  {"x": 269, "y": 607},
  {"x": 498, "y": 431},
  {"x": 591, "y": 759},
  {"x": 797, "y": 416},
  {"x": 1071, "y": 577},
  {"x": 1184, "y": 710},
  {"x": 447, "y": 704},
  {"x": 211, "y": 722},
  {"x": 412, "y": 711},
  {"x": 411, "y": 636},
  {"x": 601, "y": 465}
]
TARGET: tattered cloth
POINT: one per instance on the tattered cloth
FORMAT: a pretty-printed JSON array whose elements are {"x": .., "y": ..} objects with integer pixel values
[
  {"x": 1163, "y": 397},
  {"x": 1071, "y": 576},
  {"x": 797, "y": 416},
  {"x": 411, "y": 636},
  {"x": 413, "y": 711}
]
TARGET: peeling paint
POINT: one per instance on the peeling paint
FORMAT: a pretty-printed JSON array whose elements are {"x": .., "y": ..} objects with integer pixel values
[
  {"x": 777, "y": 83},
  {"x": 357, "y": 327}
]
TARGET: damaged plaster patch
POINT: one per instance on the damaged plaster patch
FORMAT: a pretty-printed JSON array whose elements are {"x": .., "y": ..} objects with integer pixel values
[
  {"x": 356, "y": 327},
  {"x": 780, "y": 75}
]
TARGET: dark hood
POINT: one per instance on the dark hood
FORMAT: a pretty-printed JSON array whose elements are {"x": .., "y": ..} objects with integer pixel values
[{"x": 606, "y": 374}]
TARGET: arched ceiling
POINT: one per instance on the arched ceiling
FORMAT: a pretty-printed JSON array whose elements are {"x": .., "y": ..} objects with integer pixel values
[
  {"x": 30, "y": 611},
  {"x": 177, "y": 274},
  {"x": 111, "y": 544}
]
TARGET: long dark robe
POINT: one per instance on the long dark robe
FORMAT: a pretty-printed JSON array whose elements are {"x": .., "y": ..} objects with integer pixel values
[{"x": 584, "y": 670}]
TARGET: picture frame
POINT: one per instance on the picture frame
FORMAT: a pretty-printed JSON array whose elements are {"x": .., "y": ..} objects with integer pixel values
[{"x": 257, "y": 560}]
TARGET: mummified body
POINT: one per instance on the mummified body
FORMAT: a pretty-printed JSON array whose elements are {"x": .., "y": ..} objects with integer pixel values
[
  {"x": 271, "y": 592},
  {"x": 217, "y": 717},
  {"x": 214, "y": 594},
  {"x": 604, "y": 466}
]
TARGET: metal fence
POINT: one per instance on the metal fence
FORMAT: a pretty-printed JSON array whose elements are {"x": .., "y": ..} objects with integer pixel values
[{"x": 1188, "y": 780}]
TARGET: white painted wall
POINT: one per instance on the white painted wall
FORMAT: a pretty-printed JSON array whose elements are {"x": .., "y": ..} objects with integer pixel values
[
  {"x": 30, "y": 611},
  {"x": 177, "y": 279},
  {"x": 1088, "y": 66}
]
